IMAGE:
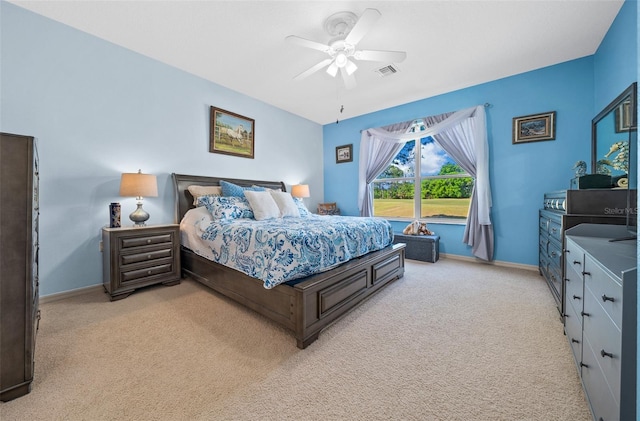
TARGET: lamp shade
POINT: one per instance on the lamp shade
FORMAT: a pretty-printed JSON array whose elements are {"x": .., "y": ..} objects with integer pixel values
[
  {"x": 138, "y": 185},
  {"x": 300, "y": 190}
]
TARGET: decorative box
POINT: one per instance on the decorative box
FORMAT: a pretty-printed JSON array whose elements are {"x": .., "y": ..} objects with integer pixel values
[
  {"x": 420, "y": 247},
  {"x": 591, "y": 181}
]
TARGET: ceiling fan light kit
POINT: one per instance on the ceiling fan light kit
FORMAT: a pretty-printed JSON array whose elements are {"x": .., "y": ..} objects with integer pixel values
[{"x": 349, "y": 30}]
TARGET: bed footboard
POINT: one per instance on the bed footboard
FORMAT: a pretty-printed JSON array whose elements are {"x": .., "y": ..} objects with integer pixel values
[{"x": 310, "y": 305}]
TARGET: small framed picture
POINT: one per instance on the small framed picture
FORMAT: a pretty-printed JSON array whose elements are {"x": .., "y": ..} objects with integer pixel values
[
  {"x": 344, "y": 153},
  {"x": 623, "y": 117},
  {"x": 231, "y": 133},
  {"x": 535, "y": 127}
]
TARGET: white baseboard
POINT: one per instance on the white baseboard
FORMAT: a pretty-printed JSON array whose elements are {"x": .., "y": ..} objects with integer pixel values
[
  {"x": 495, "y": 262},
  {"x": 72, "y": 293},
  {"x": 67, "y": 294}
]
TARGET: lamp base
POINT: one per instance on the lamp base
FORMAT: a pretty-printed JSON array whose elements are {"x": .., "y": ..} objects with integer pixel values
[{"x": 139, "y": 216}]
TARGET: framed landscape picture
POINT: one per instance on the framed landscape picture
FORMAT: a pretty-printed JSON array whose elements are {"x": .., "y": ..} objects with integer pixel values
[
  {"x": 344, "y": 153},
  {"x": 231, "y": 134},
  {"x": 535, "y": 127}
]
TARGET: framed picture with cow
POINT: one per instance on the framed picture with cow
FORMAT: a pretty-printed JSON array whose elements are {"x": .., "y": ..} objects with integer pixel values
[{"x": 231, "y": 133}]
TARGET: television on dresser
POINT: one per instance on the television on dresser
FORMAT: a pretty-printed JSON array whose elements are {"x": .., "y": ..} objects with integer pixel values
[{"x": 614, "y": 151}]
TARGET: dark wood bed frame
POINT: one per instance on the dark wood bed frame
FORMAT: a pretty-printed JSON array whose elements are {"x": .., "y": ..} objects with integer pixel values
[{"x": 309, "y": 305}]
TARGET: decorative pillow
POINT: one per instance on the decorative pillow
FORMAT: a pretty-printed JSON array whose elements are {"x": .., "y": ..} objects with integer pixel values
[
  {"x": 234, "y": 190},
  {"x": 222, "y": 207},
  {"x": 262, "y": 204},
  {"x": 285, "y": 203},
  {"x": 197, "y": 191},
  {"x": 302, "y": 209}
]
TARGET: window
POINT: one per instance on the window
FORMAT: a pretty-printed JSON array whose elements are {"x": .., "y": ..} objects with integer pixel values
[{"x": 439, "y": 190}]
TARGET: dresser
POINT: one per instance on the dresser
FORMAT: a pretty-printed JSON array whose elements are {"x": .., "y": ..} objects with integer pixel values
[
  {"x": 600, "y": 319},
  {"x": 19, "y": 313},
  {"x": 136, "y": 257},
  {"x": 564, "y": 209}
]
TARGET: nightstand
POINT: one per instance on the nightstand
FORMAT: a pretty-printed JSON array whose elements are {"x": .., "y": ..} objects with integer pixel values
[{"x": 133, "y": 258}]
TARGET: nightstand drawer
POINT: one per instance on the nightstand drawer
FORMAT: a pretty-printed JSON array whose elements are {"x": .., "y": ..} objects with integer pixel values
[
  {"x": 140, "y": 274},
  {"x": 128, "y": 259},
  {"x": 128, "y": 242}
]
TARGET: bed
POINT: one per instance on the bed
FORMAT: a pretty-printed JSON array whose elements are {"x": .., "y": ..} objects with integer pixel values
[{"x": 305, "y": 306}]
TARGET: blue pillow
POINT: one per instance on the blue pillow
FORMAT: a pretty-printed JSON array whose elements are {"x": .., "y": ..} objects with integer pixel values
[
  {"x": 301, "y": 206},
  {"x": 226, "y": 207},
  {"x": 234, "y": 190}
]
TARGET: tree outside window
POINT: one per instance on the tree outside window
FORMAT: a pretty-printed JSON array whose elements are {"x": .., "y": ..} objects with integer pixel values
[{"x": 439, "y": 190}]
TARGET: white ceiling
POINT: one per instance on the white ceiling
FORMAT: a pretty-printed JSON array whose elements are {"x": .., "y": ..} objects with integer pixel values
[{"x": 240, "y": 44}]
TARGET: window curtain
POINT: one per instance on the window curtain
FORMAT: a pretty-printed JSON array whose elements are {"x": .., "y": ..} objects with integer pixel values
[{"x": 463, "y": 135}]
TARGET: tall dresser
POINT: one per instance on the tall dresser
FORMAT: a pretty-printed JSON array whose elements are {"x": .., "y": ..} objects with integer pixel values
[
  {"x": 564, "y": 209},
  {"x": 601, "y": 302},
  {"x": 19, "y": 314}
]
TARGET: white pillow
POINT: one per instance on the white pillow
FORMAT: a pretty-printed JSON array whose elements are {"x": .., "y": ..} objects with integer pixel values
[
  {"x": 285, "y": 203},
  {"x": 262, "y": 204},
  {"x": 197, "y": 191}
]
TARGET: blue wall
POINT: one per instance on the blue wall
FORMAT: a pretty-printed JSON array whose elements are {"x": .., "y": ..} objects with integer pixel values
[
  {"x": 616, "y": 60},
  {"x": 98, "y": 110},
  {"x": 520, "y": 174}
]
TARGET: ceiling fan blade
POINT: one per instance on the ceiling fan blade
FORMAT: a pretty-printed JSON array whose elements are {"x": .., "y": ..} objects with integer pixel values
[
  {"x": 333, "y": 69},
  {"x": 378, "y": 55},
  {"x": 308, "y": 43},
  {"x": 313, "y": 69},
  {"x": 349, "y": 79},
  {"x": 362, "y": 26}
]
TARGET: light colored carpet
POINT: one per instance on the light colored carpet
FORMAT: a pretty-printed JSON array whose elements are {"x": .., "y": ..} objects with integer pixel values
[{"x": 452, "y": 340}]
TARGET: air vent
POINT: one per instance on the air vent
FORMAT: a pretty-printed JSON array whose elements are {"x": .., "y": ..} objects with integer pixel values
[{"x": 387, "y": 70}]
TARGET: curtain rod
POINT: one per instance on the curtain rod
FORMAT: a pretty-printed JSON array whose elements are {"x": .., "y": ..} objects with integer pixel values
[{"x": 486, "y": 105}]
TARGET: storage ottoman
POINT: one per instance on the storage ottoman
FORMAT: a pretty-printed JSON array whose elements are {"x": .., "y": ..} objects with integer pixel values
[{"x": 420, "y": 247}]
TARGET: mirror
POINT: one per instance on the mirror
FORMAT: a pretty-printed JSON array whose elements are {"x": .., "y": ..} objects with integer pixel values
[{"x": 611, "y": 135}]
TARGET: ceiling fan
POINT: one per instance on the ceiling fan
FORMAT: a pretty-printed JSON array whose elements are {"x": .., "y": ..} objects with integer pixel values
[{"x": 348, "y": 30}]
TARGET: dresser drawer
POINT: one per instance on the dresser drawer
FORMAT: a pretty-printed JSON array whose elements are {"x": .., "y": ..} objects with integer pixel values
[
  {"x": 573, "y": 330},
  {"x": 601, "y": 399},
  {"x": 574, "y": 259},
  {"x": 574, "y": 293},
  {"x": 605, "y": 340},
  {"x": 127, "y": 259},
  {"x": 143, "y": 274},
  {"x": 137, "y": 241},
  {"x": 551, "y": 224},
  {"x": 554, "y": 251},
  {"x": 606, "y": 290}
]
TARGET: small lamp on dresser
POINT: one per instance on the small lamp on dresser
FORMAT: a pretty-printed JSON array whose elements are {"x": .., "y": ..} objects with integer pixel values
[{"x": 138, "y": 185}]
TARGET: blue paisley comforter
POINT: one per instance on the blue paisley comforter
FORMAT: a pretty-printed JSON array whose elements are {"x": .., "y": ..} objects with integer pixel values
[{"x": 280, "y": 250}]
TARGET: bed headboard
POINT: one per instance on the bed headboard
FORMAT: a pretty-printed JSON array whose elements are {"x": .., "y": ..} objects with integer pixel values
[{"x": 184, "y": 200}]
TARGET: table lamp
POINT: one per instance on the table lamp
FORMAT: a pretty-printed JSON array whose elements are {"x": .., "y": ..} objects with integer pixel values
[
  {"x": 300, "y": 190},
  {"x": 138, "y": 185}
]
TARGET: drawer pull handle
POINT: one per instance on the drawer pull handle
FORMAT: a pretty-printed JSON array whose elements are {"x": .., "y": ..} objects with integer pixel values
[
  {"x": 148, "y": 241},
  {"x": 553, "y": 254},
  {"x": 585, "y": 314},
  {"x": 148, "y": 256},
  {"x": 577, "y": 262},
  {"x": 584, "y": 365},
  {"x": 586, "y": 273},
  {"x": 605, "y": 354},
  {"x": 575, "y": 341},
  {"x": 567, "y": 279},
  {"x": 554, "y": 230},
  {"x": 148, "y": 272},
  {"x": 575, "y": 297},
  {"x": 605, "y": 298}
]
